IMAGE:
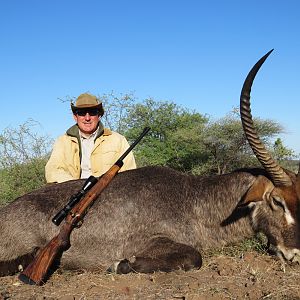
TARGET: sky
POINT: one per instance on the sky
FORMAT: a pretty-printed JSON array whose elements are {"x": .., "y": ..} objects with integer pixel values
[{"x": 194, "y": 53}]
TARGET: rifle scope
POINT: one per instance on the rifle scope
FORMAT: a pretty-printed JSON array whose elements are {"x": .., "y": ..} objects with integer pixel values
[{"x": 73, "y": 200}]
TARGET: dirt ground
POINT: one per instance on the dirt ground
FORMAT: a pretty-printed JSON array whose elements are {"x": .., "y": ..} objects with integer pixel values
[{"x": 251, "y": 275}]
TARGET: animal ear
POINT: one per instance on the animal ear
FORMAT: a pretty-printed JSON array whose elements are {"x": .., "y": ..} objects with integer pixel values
[{"x": 261, "y": 186}]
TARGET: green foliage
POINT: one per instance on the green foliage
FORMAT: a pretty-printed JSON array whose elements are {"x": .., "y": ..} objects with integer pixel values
[
  {"x": 174, "y": 136},
  {"x": 20, "y": 179},
  {"x": 223, "y": 142},
  {"x": 281, "y": 152},
  {"x": 286, "y": 157},
  {"x": 226, "y": 144},
  {"x": 189, "y": 142},
  {"x": 23, "y": 156}
]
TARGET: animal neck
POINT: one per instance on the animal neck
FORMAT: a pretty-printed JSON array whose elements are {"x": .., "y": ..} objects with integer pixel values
[{"x": 219, "y": 219}]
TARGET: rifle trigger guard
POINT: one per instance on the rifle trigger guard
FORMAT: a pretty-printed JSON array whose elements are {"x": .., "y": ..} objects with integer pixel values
[{"x": 79, "y": 224}]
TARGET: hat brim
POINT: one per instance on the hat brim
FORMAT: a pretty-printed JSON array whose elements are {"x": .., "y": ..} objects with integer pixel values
[{"x": 99, "y": 107}]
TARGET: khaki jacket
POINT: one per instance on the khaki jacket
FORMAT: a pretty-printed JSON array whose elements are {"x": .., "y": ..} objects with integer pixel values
[{"x": 64, "y": 162}]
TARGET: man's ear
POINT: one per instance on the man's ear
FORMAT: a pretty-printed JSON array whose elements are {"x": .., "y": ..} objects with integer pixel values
[
  {"x": 75, "y": 118},
  {"x": 261, "y": 186}
]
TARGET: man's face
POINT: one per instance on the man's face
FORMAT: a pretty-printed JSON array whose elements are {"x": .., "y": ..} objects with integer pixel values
[{"x": 87, "y": 120}]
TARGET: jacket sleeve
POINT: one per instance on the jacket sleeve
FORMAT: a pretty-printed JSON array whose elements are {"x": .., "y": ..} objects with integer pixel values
[{"x": 56, "y": 169}]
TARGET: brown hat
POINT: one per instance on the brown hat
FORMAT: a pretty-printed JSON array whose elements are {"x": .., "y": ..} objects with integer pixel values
[{"x": 87, "y": 101}]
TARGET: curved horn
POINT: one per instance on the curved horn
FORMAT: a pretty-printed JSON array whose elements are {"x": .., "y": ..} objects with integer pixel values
[{"x": 279, "y": 177}]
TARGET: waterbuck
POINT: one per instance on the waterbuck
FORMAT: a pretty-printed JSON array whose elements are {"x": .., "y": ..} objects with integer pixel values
[{"x": 155, "y": 218}]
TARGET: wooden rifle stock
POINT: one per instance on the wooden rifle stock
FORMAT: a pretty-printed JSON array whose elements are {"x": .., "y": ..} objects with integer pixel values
[{"x": 37, "y": 271}]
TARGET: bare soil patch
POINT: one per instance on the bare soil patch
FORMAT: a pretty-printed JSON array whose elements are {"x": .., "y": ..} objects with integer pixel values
[{"x": 252, "y": 275}]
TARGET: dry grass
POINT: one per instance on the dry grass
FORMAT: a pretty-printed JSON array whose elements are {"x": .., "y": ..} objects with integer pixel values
[{"x": 239, "y": 275}]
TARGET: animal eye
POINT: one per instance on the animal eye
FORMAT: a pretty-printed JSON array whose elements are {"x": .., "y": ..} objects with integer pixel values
[{"x": 278, "y": 203}]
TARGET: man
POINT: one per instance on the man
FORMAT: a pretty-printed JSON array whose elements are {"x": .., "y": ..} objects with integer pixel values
[{"x": 87, "y": 148}]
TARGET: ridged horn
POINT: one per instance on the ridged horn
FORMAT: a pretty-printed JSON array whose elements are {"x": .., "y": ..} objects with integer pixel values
[{"x": 278, "y": 175}]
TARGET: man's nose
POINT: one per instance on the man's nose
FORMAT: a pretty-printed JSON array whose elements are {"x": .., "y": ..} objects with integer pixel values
[{"x": 87, "y": 116}]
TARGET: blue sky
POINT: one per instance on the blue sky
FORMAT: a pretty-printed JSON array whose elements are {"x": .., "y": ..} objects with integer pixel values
[{"x": 194, "y": 53}]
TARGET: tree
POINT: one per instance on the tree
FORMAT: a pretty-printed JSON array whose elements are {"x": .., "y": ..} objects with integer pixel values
[
  {"x": 285, "y": 156},
  {"x": 224, "y": 144},
  {"x": 281, "y": 152},
  {"x": 172, "y": 128},
  {"x": 116, "y": 109},
  {"x": 23, "y": 155},
  {"x": 227, "y": 146},
  {"x": 189, "y": 142}
]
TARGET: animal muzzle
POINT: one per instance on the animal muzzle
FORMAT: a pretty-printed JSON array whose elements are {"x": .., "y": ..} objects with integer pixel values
[{"x": 286, "y": 254}]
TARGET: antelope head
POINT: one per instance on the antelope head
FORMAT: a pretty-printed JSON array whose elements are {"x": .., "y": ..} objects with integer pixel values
[{"x": 274, "y": 199}]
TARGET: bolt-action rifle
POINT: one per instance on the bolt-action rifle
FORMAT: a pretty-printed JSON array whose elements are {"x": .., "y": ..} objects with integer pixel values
[{"x": 37, "y": 272}]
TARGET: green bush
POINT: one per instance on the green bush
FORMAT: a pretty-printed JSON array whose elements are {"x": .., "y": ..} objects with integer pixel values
[
  {"x": 21, "y": 179},
  {"x": 23, "y": 155}
]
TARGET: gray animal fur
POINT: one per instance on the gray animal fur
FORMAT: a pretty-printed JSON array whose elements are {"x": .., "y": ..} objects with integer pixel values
[{"x": 138, "y": 206}]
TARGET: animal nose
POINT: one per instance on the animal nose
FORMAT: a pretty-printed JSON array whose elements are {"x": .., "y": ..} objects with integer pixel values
[
  {"x": 296, "y": 258},
  {"x": 292, "y": 255}
]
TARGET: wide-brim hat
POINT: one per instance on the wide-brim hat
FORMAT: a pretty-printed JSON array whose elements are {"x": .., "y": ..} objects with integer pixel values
[{"x": 85, "y": 101}]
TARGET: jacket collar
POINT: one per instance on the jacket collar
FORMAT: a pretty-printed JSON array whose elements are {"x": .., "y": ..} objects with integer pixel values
[{"x": 74, "y": 133}]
